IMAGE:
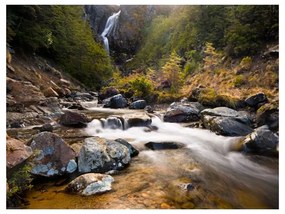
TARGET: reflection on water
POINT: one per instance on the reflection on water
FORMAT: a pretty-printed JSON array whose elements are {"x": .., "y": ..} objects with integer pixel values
[{"x": 204, "y": 174}]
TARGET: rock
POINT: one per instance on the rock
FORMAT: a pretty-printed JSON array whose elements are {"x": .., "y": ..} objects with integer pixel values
[
  {"x": 268, "y": 114},
  {"x": 163, "y": 145},
  {"x": 272, "y": 52},
  {"x": 226, "y": 126},
  {"x": 133, "y": 151},
  {"x": 136, "y": 120},
  {"x": 261, "y": 141},
  {"x": 117, "y": 101},
  {"x": 256, "y": 99},
  {"x": 16, "y": 152},
  {"x": 90, "y": 184},
  {"x": 74, "y": 119},
  {"x": 108, "y": 92},
  {"x": 149, "y": 109},
  {"x": 24, "y": 92},
  {"x": 185, "y": 112},
  {"x": 53, "y": 155},
  {"x": 114, "y": 122},
  {"x": 46, "y": 128},
  {"x": 239, "y": 116},
  {"x": 101, "y": 155},
  {"x": 49, "y": 92},
  {"x": 165, "y": 206},
  {"x": 65, "y": 82},
  {"x": 71, "y": 166},
  {"x": 139, "y": 104}
]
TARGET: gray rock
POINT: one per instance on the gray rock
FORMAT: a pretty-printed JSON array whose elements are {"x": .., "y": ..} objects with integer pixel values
[
  {"x": 239, "y": 116},
  {"x": 136, "y": 120},
  {"x": 186, "y": 112},
  {"x": 256, "y": 99},
  {"x": 71, "y": 166},
  {"x": 46, "y": 128},
  {"x": 268, "y": 115},
  {"x": 90, "y": 184},
  {"x": 113, "y": 122},
  {"x": 101, "y": 155},
  {"x": 133, "y": 151},
  {"x": 226, "y": 126},
  {"x": 52, "y": 155},
  {"x": 116, "y": 101},
  {"x": 139, "y": 104},
  {"x": 261, "y": 141},
  {"x": 74, "y": 119}
]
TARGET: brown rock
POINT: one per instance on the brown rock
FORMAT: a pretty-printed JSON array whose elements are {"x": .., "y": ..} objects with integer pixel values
[
  {"x": 74, "y": 119},
  {"x": 16, "y": 152},
  {"x": 49, "y": 92},
  {"x": 24, "y": 92}
]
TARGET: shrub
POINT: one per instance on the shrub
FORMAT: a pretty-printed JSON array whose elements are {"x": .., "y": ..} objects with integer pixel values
[
  {"x": 141, "y": 86},
  {"x": 246, "y": 62},
  {"x": 239, "y": 80}
]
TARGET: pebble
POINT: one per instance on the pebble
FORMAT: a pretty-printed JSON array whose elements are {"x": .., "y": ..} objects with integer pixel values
[{"x": 165, "y": 206}]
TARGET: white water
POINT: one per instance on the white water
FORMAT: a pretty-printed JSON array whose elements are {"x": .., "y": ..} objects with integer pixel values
[
  {"x": 209, "y": 149},
  {"x": 110, "y": 28}
]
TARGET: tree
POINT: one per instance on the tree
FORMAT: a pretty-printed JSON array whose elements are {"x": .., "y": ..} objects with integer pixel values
[{"x": 172, "y": 72}]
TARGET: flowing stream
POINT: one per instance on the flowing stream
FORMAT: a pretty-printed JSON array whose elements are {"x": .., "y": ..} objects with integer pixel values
[
  {"x": 205, "y": 173},
  {"x": 109, "y": 29}
]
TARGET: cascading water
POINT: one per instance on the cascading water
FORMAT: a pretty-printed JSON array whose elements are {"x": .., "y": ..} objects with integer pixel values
[{"x": 109, "y": 29}]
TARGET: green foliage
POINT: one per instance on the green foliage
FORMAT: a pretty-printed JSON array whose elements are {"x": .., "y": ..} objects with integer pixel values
[
  {"x": 171, "y": 72},
  {"x": 20, "y": 181},
  {"x": 141, "y": 86},
  {"x": 212, "y": 58},
  {"x": 59, "y": 32},
  {"x": 246, "y": 62},
  {"x": 239, "y": 80}
]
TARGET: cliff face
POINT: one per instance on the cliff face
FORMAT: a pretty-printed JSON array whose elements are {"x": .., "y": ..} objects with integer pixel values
[{"x": 126, "y": 40}]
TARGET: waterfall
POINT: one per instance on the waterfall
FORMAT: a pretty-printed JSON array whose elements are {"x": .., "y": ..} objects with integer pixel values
[{"x": 109, "y": 29}]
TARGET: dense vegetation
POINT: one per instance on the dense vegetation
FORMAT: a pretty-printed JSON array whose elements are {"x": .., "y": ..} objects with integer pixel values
[
  {"x": 60, "y": 33},
  {"x": 209, "y": 41}
]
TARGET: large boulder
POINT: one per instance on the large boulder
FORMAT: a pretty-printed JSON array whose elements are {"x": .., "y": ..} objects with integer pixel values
[
  {"x": 16, "y": 152},
  {"x": 255, "y": 100},
  {"x": 261, "y": 141},
  {"x": 53, "y": 156},
  {"x": 268, "y": 114},
  {"x": 74, "y": 119},
  {"x": 139, "y": 104},
  {"x": 226, "y": 126},
  {"x": 90, "y": 184},
  {"x": 183, "y": 112},
  {"x": 239, "y": 116},
  {"x": 101, "y": 155},
  {"x": 116, "y": 101}
]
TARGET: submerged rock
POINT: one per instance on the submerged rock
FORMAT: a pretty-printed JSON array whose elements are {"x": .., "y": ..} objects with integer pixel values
[
  {"x": 261, "y": 141},
  {"x": 226, "y": 126},
  {"x": 52, "y": 155},
  {"x": 101, "y": 155},
  {"x": 139, "y": 104},
  {"x": 90, "y": 184},
  {"x": 163, "y": 145},
  {"x": 74, "y": 119},
  {"x": 256, "y": 99},
  {"x": 136, "y": 120},
  {"x": 16, "y": 152},
  {"x": 116, "y": 101},
  {"x": 113, "y": 122},
  {"x": 183, "y": 112}
]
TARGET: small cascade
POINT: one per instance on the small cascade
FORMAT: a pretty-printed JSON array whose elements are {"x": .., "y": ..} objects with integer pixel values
[{"x": 109, "y": 29}]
